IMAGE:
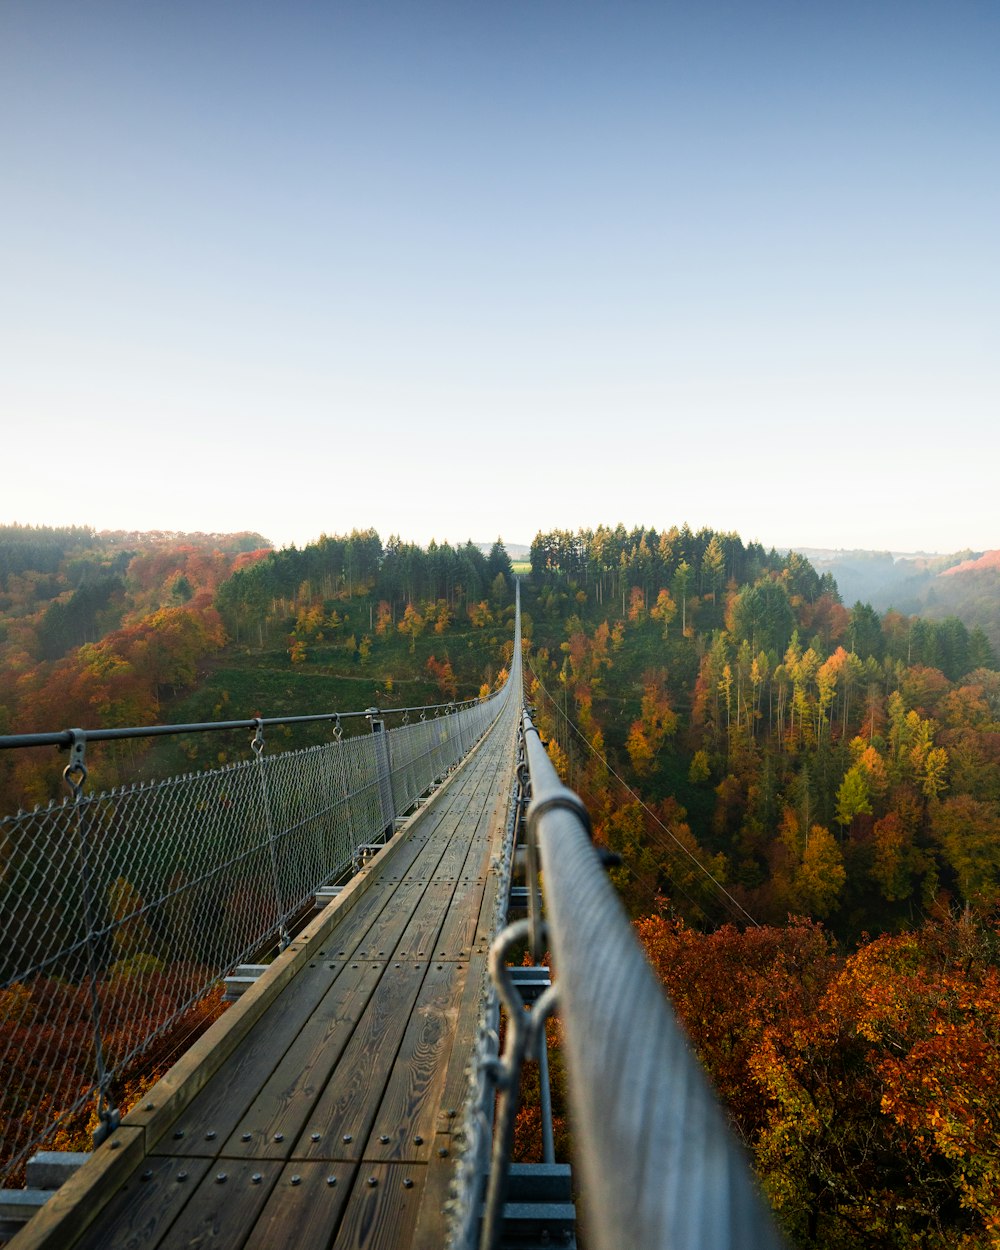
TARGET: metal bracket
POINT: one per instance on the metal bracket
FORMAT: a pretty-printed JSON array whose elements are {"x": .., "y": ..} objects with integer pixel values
[
  {"x": 75, "y": 773},
  {"x": 525, "y": 1037},
  {"x": 257, "y": 741},
  {"x": 110, "y": 1118}
]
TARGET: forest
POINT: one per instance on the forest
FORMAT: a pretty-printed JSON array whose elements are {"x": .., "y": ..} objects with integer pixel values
[
  {"x": 125, "y": 629},
  {"x": 804, "y": 793}
]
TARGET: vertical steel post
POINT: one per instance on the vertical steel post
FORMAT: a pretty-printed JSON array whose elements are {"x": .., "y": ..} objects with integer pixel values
[
  {"x": 383, "y": 766},
  {"x": 75, "y": 776}
]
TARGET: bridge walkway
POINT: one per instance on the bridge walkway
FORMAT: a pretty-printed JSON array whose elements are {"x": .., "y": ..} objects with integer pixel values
[{"x": 320, "y": 1109}]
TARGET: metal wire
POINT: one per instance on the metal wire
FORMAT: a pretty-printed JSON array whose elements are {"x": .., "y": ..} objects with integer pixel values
[
  {"x": 120, "y": 910},
  {"x": 637, "y": 1091}
]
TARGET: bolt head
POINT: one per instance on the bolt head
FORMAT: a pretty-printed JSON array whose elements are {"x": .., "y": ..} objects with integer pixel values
[
  {"x": 348, "y": 1137},
  {"x": 220, "y": 1178},
  {"x": 279, "y": 1137}
]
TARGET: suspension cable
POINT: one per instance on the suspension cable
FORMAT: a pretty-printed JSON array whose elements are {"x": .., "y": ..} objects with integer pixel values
[{"x": 649, "y": 812}]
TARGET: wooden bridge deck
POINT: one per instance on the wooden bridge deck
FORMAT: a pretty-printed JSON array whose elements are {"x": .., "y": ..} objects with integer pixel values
[{"x": 319, "y": 1111}]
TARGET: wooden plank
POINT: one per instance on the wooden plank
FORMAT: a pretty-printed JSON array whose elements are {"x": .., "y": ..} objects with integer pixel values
[
  {"x": 466, "y": 1028},
  {"x": 383, "y": 1207},
  {"x": 381, "y": 940},
  {"x": 339, "y": 1124},
  {"x": 269, "y": 1126},
  {"x": 453, "y": 860},
  {"x": 458, "y": 933},
  {"x": 407, "y": 1117},
  {"x": 477, "y": 857},
  {"x": 221, "y": 1105},
  {"x": 142, "y": 1211},
  {"x": 420, "y": 935},
  {"x": 304, "y": 1208},
  {"x": 484, "y": 927},
  {"x": 431, "y": 1229},
  {"x": 425, "y": 865},
  {"x": 74, "y": 1206},
  {"x": 223, "y": 1209},
  {"x": 348, "y": 933}
]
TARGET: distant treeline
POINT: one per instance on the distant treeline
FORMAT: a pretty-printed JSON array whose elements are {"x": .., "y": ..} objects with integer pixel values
[{"x": 398, "y": 574}]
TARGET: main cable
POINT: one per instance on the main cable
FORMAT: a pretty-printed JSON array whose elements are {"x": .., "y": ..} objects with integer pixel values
[{"x": 731, "y": 902}]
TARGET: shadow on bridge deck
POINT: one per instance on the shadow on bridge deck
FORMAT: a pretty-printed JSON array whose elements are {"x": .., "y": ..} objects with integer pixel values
[{"x": 320, "y": 1110}]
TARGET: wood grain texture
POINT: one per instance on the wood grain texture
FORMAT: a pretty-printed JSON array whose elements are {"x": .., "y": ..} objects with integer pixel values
[
  {"x": 347, "y": 1106},
  {"x": 458, "y": 933},
  {"x": 304, "y": 1207},
  {"x": 418, "y": 939},
  {"x": 271, "y": 1124},
  {"x": 220, "y": 1213},
  {"x": 381, "y": 941},
  {"x": 223, "y": 1103},
  {"x": 383, "y": 1215},
  {"x": 466, "y": 1025},
  {"x": 431, "y": 1229},
  {"x": 142, "y": 1212},
  {"x": 407, "y": 1116}
]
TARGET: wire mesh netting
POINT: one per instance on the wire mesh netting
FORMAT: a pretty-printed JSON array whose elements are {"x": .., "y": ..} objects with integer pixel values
[{"x": 120, "y": 910}]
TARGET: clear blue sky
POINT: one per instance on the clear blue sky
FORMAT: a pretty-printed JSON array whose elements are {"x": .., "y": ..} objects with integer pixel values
[{"x": 468, "y": 269}]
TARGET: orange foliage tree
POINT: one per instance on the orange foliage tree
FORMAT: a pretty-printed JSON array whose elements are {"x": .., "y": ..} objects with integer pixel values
[{"x": 867, "y": 1085}]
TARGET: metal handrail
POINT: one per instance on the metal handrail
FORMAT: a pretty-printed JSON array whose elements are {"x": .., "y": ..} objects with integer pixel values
[
  {"x": 660, "y": 1166},
  {"x": 66, "y": 737}
]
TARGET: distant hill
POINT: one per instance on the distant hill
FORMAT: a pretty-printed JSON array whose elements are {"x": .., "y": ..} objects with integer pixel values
[
  {"x": 965, "y": 584},
  {"x": 988, "y": 561},
  {"x": 516, "y": 551}
]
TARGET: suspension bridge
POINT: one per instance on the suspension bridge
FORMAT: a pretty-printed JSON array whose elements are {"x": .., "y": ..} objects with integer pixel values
[{"x": 356, "y": 1093}]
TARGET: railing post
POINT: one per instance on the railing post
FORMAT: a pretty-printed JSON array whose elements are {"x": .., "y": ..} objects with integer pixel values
[
  {"x": 458, "y": 726},
  {"x": 257, "y": 745},
  {"x": 383, "y": 768},
  {"x": 75, "y": 776}
]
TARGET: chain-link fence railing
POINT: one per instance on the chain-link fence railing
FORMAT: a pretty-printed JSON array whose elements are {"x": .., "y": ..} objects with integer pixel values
[{"x": 120, "y": 910}]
